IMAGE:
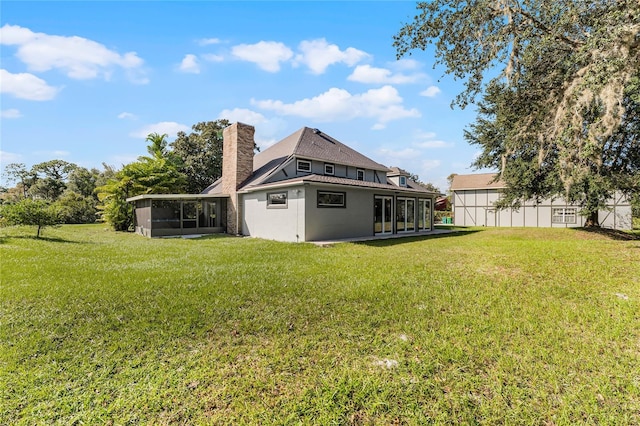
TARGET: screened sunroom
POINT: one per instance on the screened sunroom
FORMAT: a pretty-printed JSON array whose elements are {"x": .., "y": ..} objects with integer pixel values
[{"x": 164, "y": 215}]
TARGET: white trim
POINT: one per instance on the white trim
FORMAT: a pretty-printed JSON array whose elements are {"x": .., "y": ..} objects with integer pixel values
[
  {"x": 298, "y": 169},
  {"x": 333, "y": 169}
]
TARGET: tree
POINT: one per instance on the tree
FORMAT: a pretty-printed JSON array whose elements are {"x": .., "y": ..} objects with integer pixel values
[
  {"x": 17, "y": 172},
  {"x": 561, "y": 118},
  {"x": 30, "y": 212},
  {"x": 157, "y": 174},
  {"x": 83, "y": 181},
  {"x": 427, "y": 185},
  {"x": 201, "y": 154},
  {"x": 76, "y": 208},
  {"x": 52, "y": 179},
  {"x": 450, "y": 179}
]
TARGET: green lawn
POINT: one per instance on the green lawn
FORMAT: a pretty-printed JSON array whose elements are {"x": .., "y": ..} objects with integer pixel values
[{"x": 500, "y": 326}]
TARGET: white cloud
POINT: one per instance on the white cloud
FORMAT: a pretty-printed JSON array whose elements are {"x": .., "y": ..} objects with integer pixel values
[
  {"x": 383, "y": 104},
  {"x": 77, "y": 57},
  {"x": 266, "y": 129},
  {"x": 212, "y": 58},
  {"x": 26, "y": 86},
  {"x": 208, "y": 41},
  {"x": 405, "y": 64},
  {"x": 242, "y": 115},
  {"x": 10, "y": 113},
  {"x": 430, "y": 164},
  {"x": 373, "y": 75},
  {"x": 171, "y": 128},
  {"x": 433, "y": 144},
  {"x": 317, "y": 55},
  {"x": 266, "y": 54},
  {"x": 127, "y": 115},
  {"x": 427, "y": 140},
  {"x": 430, "y": 91},
  {"x": 403, "y": 154},
  {"x": 190, "y": 64},
  {"x": 9, "y": 157}
]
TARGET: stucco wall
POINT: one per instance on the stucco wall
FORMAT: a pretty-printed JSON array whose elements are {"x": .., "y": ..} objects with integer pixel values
[
  {"x": 476, "y": 208},
  {"x": 275, "y": 223},
  {"x": 327, "y": 223}
]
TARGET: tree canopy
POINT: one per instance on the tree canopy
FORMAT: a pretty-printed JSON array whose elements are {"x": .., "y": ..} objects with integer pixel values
[
  {"x": 154, "y": 174},
  {"x": 560, "y": 89},
  {"x": 201, "y": 154},
  {"x": 38, "y": 213}
]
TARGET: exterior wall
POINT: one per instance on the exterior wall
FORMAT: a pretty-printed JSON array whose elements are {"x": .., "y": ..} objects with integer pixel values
[
  {"x": 476, "y": 208},
  {"x": 303, "y": 220},
  {"x": 317, "y": 167},
  {"x": 328, "y": 223},
  {"x": 275, "y": 223}
]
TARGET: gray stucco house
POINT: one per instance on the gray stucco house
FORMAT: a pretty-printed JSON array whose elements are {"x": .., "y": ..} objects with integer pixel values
[
  {"x": 307, "y": 187},
  {"x": 474, "y": 196}
]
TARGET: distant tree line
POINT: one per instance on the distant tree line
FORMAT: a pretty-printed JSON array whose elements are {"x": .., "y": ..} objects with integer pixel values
[{"x": 57, "y": 191}]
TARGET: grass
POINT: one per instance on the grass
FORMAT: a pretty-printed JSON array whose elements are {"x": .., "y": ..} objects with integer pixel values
[{"x": 500, "y": 326}]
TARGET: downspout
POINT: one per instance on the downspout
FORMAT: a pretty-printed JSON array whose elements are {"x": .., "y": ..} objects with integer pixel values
[{"x": 238, "y": 224}]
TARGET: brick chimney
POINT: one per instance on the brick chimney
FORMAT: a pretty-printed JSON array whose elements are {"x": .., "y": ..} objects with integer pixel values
[{"x": 237, "y": 166}]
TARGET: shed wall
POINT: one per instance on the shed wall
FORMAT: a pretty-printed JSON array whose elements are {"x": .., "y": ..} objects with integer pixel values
[{"x": 476, "y": 208}]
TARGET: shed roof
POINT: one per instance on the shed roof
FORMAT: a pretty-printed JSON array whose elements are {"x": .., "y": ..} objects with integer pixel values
[{"x": 476, "y": 181}]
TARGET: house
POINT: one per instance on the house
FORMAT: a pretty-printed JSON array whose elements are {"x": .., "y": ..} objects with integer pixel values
[
  {"x": 474, "y": 196},
  {"x": 307, "y": 187}
]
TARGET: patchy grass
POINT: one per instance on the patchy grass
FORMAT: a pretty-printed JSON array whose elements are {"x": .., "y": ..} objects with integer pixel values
[{"x": 500, "y": 326}]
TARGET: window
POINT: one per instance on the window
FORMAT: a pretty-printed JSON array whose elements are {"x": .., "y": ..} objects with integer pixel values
[
  {"x": 403, "y": 181},
  {"x": 329, "y": 169},
  {"x": 360, "y": 174},
  {"x": 166, "y": 214},
  {"x": 277, "y": 200},
  {"x": 564, "y": 216},
  {"x": 331, "y": 199},
  {"x": 304, "y": 166}
]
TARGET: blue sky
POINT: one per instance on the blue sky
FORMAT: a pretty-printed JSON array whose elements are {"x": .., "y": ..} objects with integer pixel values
[{"x": 85, "y": 82}]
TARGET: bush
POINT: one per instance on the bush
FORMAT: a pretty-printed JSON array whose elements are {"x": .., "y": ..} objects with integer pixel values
[
  {"x": 76, "y": 208},
  {"x": 30, "y": 212}
]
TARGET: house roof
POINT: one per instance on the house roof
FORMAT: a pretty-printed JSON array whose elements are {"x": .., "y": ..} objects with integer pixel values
[
  {"x": 176, "y": 197},
  {"x": 397, "y": 171},
  {"x": 476, "y": 181},
  {"x": 313, "y": 144},
  {"x": 333, "y": 180}
]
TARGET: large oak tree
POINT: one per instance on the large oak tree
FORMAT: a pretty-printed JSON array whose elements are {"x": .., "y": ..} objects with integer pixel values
[{"x": 560, "y": 88}]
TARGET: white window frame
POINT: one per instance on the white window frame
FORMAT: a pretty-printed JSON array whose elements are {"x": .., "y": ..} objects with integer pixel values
[
  {"x": 403, "y": 181},
  {"x": 359, "y": 172},
  {"x": 302, "y": 169},
  {"x": 564, "y": 215},
  {"x": 272, "y": 205},
  {"x": 329, "y": 169}
]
